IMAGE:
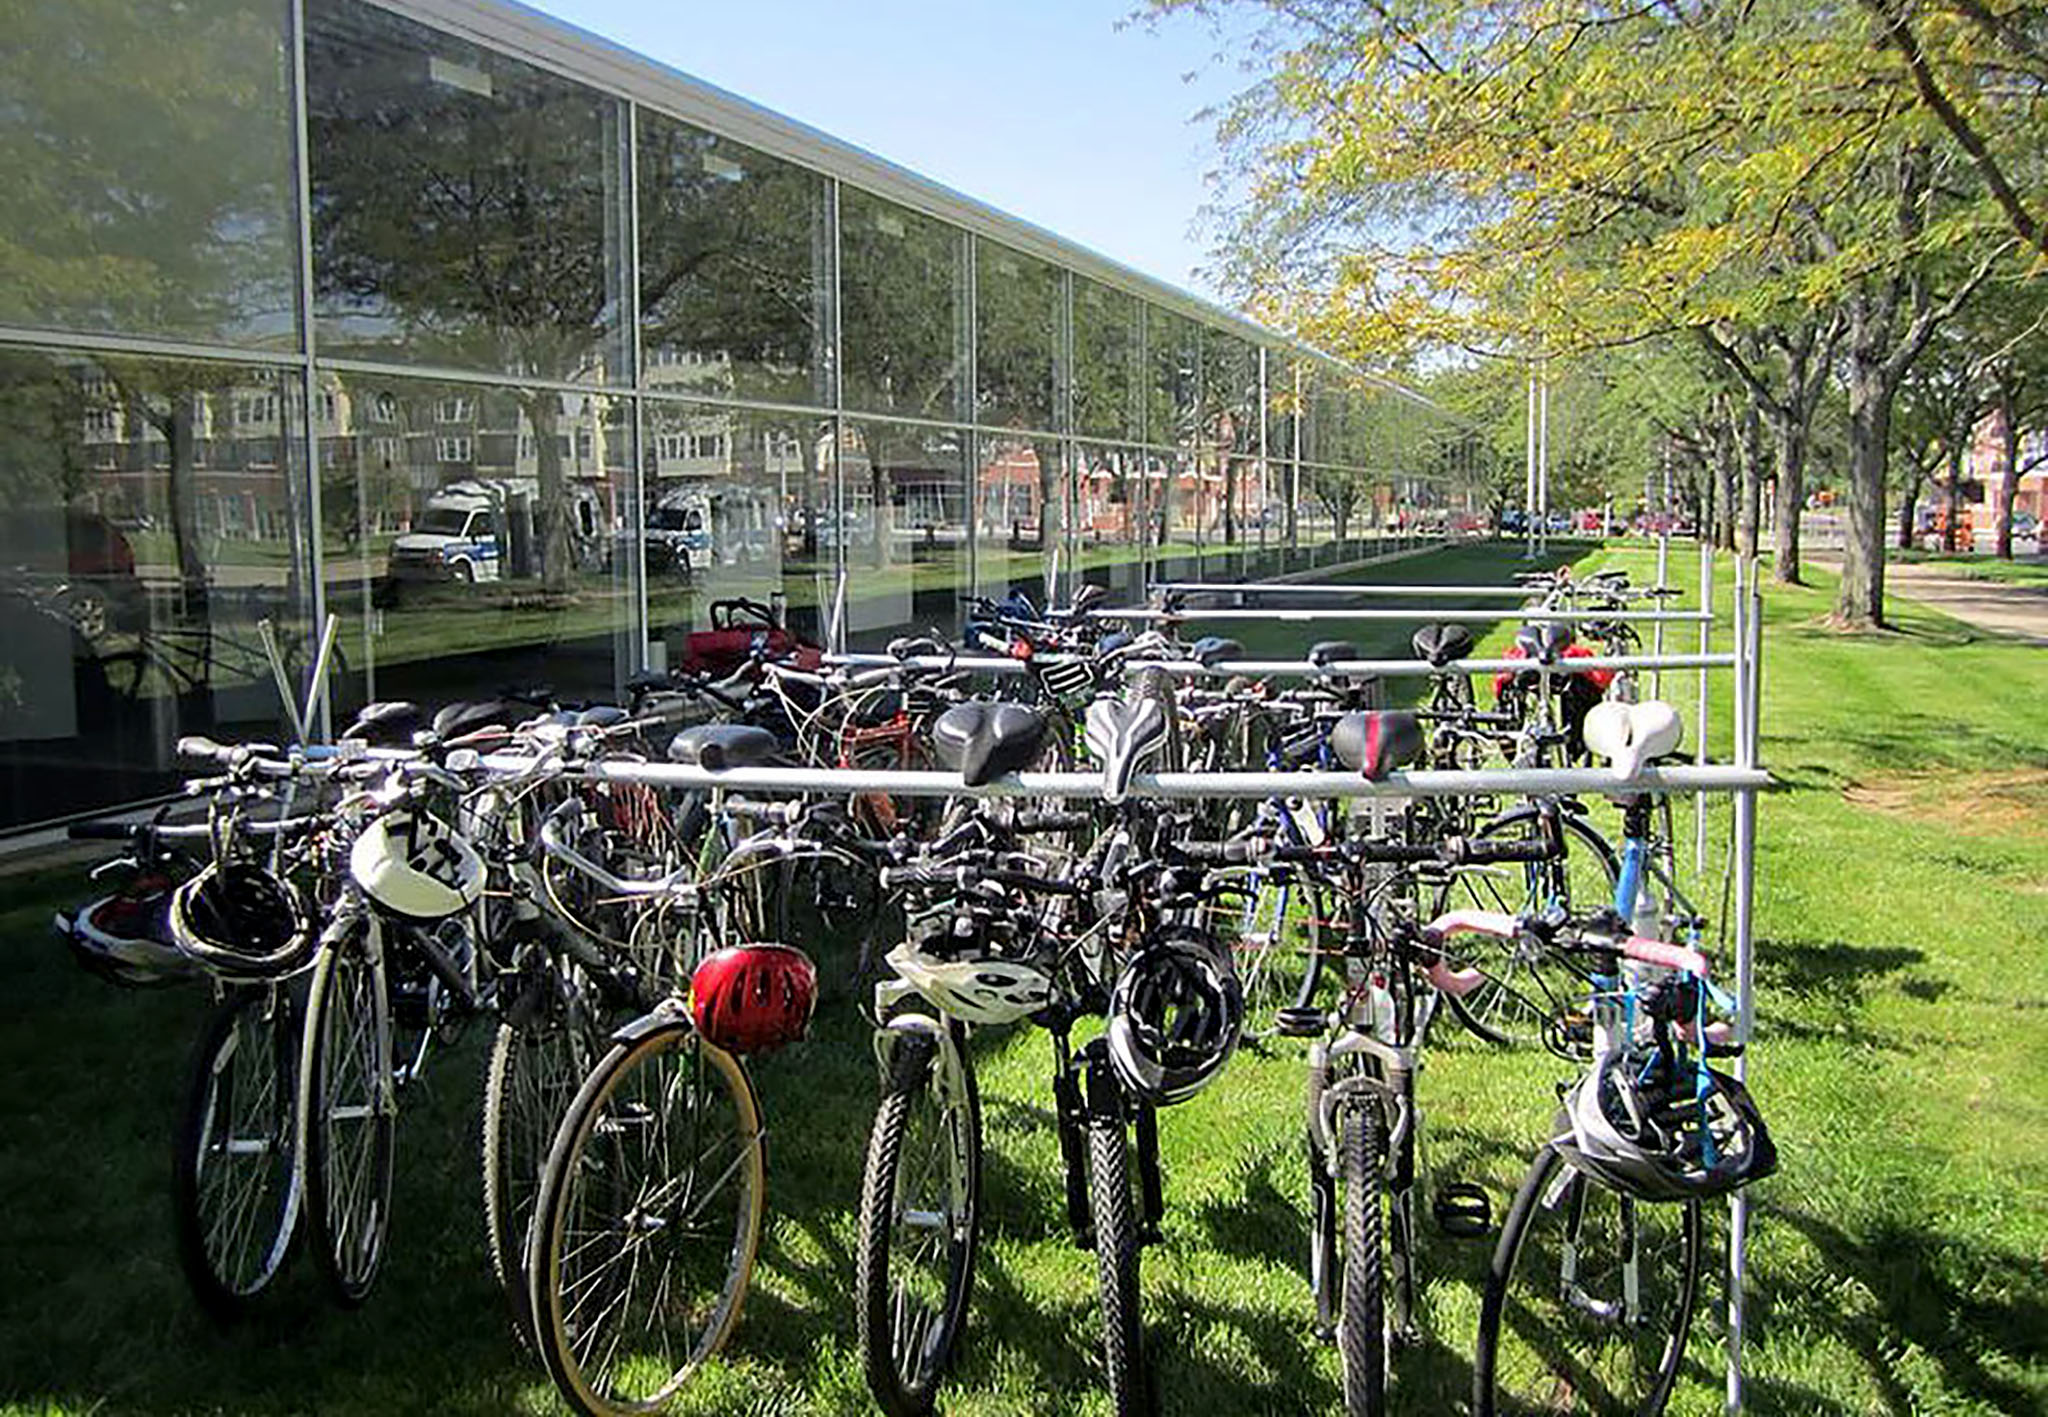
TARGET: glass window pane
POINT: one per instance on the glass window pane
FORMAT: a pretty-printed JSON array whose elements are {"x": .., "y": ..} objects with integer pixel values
[
  {"x": 906, "y": 504},
  {"x": 739, "y": 507},
  {"x": 475, "y": 537},
  {"x": 1173, "y": 406},
  {"x": 1016, "y": 329},
  {"x": 466, "y": 207},
  {"x": 1108, "y": 340},
  {"x": 155, "y": 515},
  {"x": 1018, "y": 513},
  {"x": 734, "y": 290},
  {"x": 901, "y": 296},
  {"x": 1110, "y": 511},
  {"x": 148, "y": 161}
]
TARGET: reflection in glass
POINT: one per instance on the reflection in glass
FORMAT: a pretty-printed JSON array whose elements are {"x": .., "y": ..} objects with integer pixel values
[
  {"x": 739, "y": 507},
  {"x": 1019, "y": 511},
  {"x": 155, "y": 514},
  {"x": 466, "y": 207},
  {"x": 734, "y": 294},
  {"x": 148, "y": 169},
  {"x": 906, "y": 508},
  {"x": 1111, "y": 516},
  {"x": 902, "y": 300},
  {"x": 1017, "y": 334},
  {"x": 476, "y": 537},
  {"x": 1108, "y": 361}
]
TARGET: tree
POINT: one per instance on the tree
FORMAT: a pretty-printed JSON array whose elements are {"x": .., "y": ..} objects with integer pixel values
[{"x": 1525, "y": 178}]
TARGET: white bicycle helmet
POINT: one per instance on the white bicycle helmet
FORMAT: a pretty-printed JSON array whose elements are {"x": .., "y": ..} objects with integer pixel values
[
  {"x": 987, "y": 991},
  {"x": 414, "y": 864}
]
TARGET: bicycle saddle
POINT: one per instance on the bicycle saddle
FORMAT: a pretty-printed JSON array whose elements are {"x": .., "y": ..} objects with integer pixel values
[
  {"x": 1122, "y": 733},
  {"x": 389, "y": 724},
  {"x": 1376, "y": 743},
  {"x": 1442, "y": 644},
  {"x": 1544, "y": 642},
  {"x": 1630, "y": 736},
  {"x": 601, "y": 716},
  {"x": 725, "y": 745},
  {"x": 984, "y": 741},
  {"x": 458, "y": 720},
  {"x": 1212, "y": 650},
  {"x": 1325, "y": 653},
  {"x": 911, "y": 646}
]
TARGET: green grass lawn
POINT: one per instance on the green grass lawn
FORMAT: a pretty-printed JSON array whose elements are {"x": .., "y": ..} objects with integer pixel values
[{"x": 1900, "y": 1256}]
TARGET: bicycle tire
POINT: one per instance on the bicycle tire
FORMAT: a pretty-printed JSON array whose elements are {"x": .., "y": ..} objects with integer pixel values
[
  {"x": 904, "y": 1377},
  {"x": 607, "y": 1127},
  {"x": 1116, "y": 1263},
  {"x": 1362, "y": 1318},
  {"x": 348, "y": 1116},
  {"x": 530, "y": 1077},
  {"x": 236, "y": 1220},
  {"x": 1522, "y": 990},
  {"x": 1551, "y": 1321}
]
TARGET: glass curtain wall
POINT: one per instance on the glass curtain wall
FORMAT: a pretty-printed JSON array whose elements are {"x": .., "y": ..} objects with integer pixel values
[{"x": 522, "y": 375}]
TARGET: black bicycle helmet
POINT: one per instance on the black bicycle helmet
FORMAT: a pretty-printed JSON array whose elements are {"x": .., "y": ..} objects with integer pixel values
[
  {"x": 242, "y": 922},
  {"x": 1175, "y": 1017},
  {"x": 1665, "y": 1139}
]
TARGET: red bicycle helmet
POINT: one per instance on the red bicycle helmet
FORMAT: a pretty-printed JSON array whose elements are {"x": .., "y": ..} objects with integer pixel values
[{"x": 752, "y": 998}]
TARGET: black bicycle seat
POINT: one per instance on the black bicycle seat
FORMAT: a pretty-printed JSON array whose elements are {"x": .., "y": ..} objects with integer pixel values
[
  {"x": 601, "y": 716},
  {"x": 1376, "y": 743},
  {"x": 984, "y": 741},
  {"x": 1325, "y": 653},
  {"x": 1442, "y": 644},
  {"x": 1544, "y": 642},
  {"x": 1212, "y": 650},
  {"x": 458, "y": 720},
  {"x": 389, "y": 724},
  {"x": 725, "y": 745}
]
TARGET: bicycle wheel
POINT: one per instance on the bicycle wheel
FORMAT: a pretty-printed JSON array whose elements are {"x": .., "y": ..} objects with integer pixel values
[
  {"x": 648, "y": 1221},
  {"x": 235, "y": 1186},
  {"x": 348, "y": 1107},
  {"x": 920, "y": 1206},
  {"x": 1116, "y": 1262},
  {"x": 1525, "y": 985},
  {"x": 1362, "y": 1321},
  {"x": 1589, "y": 1301},
  {"x": 530, "y": 1078},
  {"x": 1277, "y": 948}
]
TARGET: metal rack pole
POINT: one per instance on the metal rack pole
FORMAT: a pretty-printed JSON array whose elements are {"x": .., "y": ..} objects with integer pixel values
[
  {"x": 1138, "y": 613},
  {"x": 1699, "y": 752},
  {"x": 1749, "y": 700},
  {"x": 1657, "y": 635},
  {"x": 1001, "y": 665}
]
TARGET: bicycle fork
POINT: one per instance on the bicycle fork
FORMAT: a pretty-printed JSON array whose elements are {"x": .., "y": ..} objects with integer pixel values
[
  {"x": 1085, "y": 1088},
  {"x": 1383, "y": 1077}
]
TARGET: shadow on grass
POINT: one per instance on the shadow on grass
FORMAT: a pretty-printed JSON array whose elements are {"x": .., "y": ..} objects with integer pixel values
[{"x": 1974, "y": 1311}]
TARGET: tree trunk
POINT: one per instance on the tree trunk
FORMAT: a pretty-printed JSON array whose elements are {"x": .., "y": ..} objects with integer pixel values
[
  {"x": 1954, "y": 501},
  {"x": 1723, "y": 475},
  {"x": 1860, "y": 604},
  {"x": 557, "y": 551},
  {"x": 1909, "y": 506},
  {"x": 2009, "y": 461},
  {"x": 1791, "y": 437},
  {"x": 1749, "y": 447}
]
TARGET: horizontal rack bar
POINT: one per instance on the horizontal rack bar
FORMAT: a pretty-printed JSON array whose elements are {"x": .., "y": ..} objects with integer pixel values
[
  {"x": 1177, "y": 785},
  {"x": 1361, "y": 592},
  {"x": 1298, "y": 668},
  {"x": 1466, "y": 617}
]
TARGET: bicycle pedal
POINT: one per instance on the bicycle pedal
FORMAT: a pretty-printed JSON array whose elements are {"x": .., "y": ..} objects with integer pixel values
[
  {"x": 1463, "y": 1210},
  {"x": 1298, "y": 1021}
]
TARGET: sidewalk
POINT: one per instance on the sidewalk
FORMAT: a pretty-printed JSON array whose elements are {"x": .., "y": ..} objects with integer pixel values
[{"x": 1996, "y": 606}]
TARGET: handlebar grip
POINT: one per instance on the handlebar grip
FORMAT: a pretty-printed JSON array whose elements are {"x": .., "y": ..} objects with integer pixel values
[
  {"x": 1477, "y": 851},
  {"x": 104, "y": 831},
  {"x": 1218, "y": 853},
  {"x": 199, "y": 746},
  {"x": 1028, "y": 822},
  {"x": 894, "y": 876}
]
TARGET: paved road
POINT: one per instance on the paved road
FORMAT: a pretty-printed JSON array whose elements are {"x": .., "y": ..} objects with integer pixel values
[{"x": 2019, "y": 611}]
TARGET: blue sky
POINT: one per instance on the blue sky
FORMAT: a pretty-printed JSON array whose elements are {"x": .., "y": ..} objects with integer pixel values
[{"x": 1046, "y": 109}]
